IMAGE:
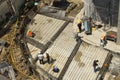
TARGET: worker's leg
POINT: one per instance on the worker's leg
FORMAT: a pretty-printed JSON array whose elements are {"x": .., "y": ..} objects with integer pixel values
[
  {"x": 80, "y": 29},
  {"x": 40, "y": 61},
  {"x": 79, "y": 26},
  {"x": 48, "y": 60},
  {"x": 94, "y": 68}
]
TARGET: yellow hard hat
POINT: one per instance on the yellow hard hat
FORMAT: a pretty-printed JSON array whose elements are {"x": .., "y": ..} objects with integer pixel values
[
  {"x": 79, "y": 21},
  {"x": 78, "y": 31}
]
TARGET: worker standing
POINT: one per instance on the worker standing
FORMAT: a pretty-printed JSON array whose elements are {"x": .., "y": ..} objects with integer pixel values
[
  {"x": 48, "y": 57},
  {"x": 95, "y": 65},
  {"x": 79, "y": 25},
  {"x": 76, "y": 36},
  {"x": 103, "y": 40},
  {"x": 40, "y": 57}
]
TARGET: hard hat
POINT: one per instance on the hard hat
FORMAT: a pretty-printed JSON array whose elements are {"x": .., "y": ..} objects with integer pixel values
[
  {"x": 105, "y": 65},
  {"x": 28, "y": 31},
  {"x": 102, "y": 36},
  {"x": 53, "y": 65},
  {"x": 79, "y": 21},
  {"x": 78, "y": 31}
]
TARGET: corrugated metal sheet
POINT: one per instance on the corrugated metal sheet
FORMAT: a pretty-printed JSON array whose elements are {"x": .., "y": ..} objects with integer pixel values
[
  {"x": 81, "y": 67},
  {"x": 60, "y": 50},
  {"x": 45, "y": 27}
]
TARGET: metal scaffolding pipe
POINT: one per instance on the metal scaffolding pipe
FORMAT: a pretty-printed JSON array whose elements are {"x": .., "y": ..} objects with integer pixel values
[{"x": 118, "y": 26}]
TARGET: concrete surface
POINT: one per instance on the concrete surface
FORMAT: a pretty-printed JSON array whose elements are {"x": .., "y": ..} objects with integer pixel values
[
  {"x": 60, "y": 50},
  {"x": 81, "y": 67},
  {"x": 44, "y": 27},
  {"x": 94, "y": 39}
]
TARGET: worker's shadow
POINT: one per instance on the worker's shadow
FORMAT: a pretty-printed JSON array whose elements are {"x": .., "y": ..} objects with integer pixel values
[
  {"x": 49, "y": 62},
  {"x": 52, "y": 60},
  {"x": 83, "y": 30},
  {"x": 98, "y": 69}
]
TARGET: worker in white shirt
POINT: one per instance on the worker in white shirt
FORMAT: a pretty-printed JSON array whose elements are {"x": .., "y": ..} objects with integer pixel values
[{"x": 40, "y": 58}]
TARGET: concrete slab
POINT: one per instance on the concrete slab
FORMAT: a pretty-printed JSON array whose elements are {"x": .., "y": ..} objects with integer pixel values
[
  {"x": 81, "y": 67},
  {"x": 94, "y": 39},
  {"x": 44, "y": 27},
  {"x": 60, "y": 50}
]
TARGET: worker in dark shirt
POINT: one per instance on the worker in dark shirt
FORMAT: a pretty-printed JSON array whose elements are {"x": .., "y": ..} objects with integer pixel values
[
  {"x": 79, "y": 25},
  {"x": 48, "y": 58},
  {"x": 95, "y": 64},
  {"x": 55, "y": 69}
]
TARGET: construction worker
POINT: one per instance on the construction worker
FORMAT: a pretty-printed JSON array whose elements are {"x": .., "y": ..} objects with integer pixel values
[
  {"x": 55, "y": 69},
  {"x": 95, "y": 65},
  {"x": 103, "y": 40},
  {"x": 105, "y": 65},
  {"x": 40, "y": 58},
  {"x": 48, "y": 57},
  {"x": 30, "y": 33},
  {"x": 79, "y": 25},
  {"x": 76, "y": 36}
]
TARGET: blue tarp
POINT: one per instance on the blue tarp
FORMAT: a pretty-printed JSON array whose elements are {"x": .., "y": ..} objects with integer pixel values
[{"x": 86, "y": 25}]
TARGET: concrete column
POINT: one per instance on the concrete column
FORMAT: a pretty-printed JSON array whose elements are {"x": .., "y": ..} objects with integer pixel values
[{"x": 118, "y": 26}]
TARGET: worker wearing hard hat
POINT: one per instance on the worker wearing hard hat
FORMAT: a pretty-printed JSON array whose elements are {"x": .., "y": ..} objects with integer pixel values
[
  {"x": 30, "y": 33},
  {"x": 40, "y": 58},
  {"x": 79, "y": 25},
  {"x": 103, "y": 40}
]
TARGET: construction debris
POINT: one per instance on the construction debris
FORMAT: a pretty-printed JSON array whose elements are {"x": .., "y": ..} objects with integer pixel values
[{"x": 7, "y": 70}]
